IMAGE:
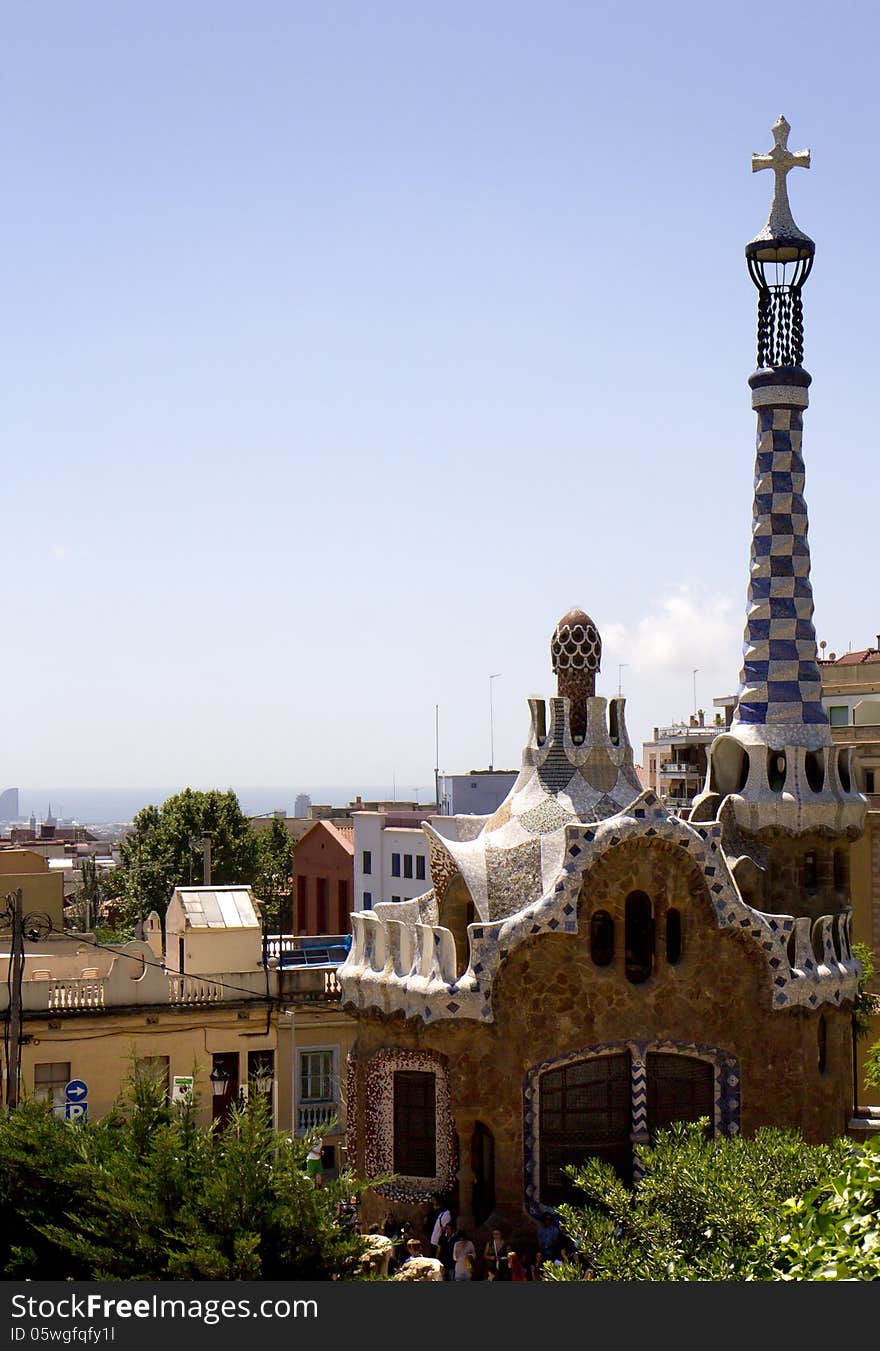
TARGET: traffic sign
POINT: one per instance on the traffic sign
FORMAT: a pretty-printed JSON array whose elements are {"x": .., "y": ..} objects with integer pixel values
[
  {"x": 76, "y": 1091},
  {"x": 76, "y": 1111}
]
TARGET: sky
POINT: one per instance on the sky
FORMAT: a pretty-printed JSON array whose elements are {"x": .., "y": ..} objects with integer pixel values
[{"x": 346, "y": 346}]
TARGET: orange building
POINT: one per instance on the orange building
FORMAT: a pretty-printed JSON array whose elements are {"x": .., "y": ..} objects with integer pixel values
[{"x": 323, "y": 880}]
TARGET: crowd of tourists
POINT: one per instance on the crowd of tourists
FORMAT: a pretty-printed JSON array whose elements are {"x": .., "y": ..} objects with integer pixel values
[{"x": 495, "y": 1258}]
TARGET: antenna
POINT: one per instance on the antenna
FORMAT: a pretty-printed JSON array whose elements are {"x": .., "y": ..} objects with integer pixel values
[
  {"x": 437, "y": 757},
  {"x": 492, "y": 722}
]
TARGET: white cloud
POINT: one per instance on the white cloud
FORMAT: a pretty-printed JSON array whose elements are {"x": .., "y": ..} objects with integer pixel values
[{"x": 690, "y": 628}]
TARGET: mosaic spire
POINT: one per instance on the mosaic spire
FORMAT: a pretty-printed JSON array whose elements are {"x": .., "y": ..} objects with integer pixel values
[{"x": 779, "y": 699}]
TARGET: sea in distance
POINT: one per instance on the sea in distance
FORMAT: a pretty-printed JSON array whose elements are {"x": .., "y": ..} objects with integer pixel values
[{"x": 95, "y": 806}]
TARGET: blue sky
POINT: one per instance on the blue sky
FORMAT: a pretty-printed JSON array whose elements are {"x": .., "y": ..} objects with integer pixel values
[{"x": 347, "y": 346}]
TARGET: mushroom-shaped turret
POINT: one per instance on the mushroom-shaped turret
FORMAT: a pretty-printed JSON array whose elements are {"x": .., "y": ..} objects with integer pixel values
[{"x": 575, "y": 653}]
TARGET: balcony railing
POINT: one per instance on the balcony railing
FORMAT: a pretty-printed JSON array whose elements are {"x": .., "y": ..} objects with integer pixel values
[
  {"x": 315, "y": 1116},
  {"x": 681, "y": 768}
]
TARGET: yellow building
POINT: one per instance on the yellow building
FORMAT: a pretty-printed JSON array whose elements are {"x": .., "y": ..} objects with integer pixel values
[
  {"x": 42, "y": 888},
  {"x": 851, "y": 694},
  {"x": 211, "y": 1012}
]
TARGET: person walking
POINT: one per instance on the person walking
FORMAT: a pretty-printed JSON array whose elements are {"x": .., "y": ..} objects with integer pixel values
[
  {"x": 495, "y": 1257},
  {"x": 463, "y": 1254},
  {"x": 516, "y": 1268},
  {"x": 445, "y": 1245},
  {"x": 315, "y": 1162},
  {"x": 442, "y": 1218}
]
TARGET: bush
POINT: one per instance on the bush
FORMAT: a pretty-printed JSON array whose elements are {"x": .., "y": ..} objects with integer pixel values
[
  {"x": 705, "y": 1210},
  {"x": 147, "y": 1193}
]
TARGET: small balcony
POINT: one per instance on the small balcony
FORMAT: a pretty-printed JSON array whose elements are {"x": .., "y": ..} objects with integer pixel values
[
  {"x": 681, "y": 769},
  {"x": 316, "y": 1116}
]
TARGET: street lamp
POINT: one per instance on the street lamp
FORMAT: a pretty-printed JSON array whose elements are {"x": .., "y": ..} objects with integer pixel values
[
  {"x": 219, "y": 1079},
  {"x": 491, "y": 722}
]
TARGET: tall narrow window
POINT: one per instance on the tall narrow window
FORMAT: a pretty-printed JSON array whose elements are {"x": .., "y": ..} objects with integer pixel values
[
  {"x": 321, "y": 905},
  {"x": 420, "y": 867},
  {"x": 407, "y": 865},
  {"x": 395, "y": 865},
  {"x": 301, "y": 884},
  {"x": 342, "y": 905},
  {"x": 156, "y": 1068},
  {"x": 639, "y": 923},
  {"x": 367, "y": 861},
  {"x": 51, "y": 1080},
  {"x": 415, "y": 1123},
  {"x": 261, "y": 1073}
]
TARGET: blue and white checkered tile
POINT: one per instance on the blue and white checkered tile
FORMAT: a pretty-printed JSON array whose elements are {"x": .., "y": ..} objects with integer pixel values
[{"x": 779, "y": 681}]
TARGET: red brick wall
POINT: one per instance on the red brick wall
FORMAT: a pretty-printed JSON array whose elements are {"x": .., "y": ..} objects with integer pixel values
[{"x": 320, "y": 863}]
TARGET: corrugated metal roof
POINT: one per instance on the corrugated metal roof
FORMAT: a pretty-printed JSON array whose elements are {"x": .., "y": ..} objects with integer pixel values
[{"x": 219, "y": 907}]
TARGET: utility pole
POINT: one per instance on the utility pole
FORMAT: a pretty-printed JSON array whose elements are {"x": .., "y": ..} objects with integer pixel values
[
  {"x": 16, "y": 968},
  {"x": 437, "y": 758},
  {"x": 492, "y": 722}
]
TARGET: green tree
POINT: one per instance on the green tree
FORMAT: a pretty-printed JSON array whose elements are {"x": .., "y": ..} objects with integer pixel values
[
  {"x": 272, "y": 879},
  {"x": 146, "y": 1193},
  {"x": 834, "y": 1232},
  {"x": 704, "y": 1210},
  {"x": 164, "y": 850}
]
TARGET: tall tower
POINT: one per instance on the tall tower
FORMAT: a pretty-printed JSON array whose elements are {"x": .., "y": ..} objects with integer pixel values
[{"x": 777, "y": 768}]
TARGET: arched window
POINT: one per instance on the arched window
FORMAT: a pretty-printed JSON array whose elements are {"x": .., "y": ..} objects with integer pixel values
[
  {"x": 673, "y": 936},
  {"x": 585, "y": 1110},
  {"x": 776, "y": 770},
  {"x": 639, "y": 937},
  {"x": 602, "y": 938},
  {"x": 456, "y": 912}
]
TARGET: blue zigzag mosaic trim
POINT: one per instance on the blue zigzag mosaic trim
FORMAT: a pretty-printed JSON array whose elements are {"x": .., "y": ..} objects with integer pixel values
[{"x": 726, "y": 1098}]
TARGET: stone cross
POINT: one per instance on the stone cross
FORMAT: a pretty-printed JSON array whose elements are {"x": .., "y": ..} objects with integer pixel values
[{"x": 780, "y": 159}]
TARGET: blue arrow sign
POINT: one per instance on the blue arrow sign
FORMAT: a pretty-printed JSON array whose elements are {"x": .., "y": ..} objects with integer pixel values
[{"x": 76, "y": 1091}]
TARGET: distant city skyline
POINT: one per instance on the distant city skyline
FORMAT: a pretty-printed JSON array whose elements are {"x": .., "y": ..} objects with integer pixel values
[
  {"x": 383, "y": 338},
  {"x": 99, "y": 805}
]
